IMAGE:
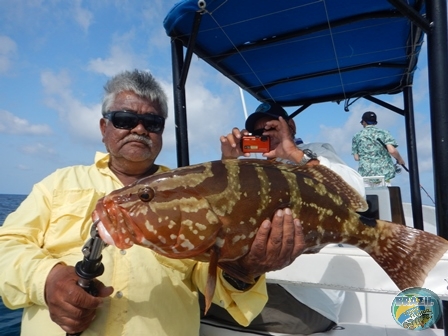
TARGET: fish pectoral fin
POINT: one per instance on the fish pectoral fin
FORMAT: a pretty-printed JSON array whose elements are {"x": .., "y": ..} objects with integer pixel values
[
  {"x": 211, "y": 279},
  {"x": 235, "y": 270}
]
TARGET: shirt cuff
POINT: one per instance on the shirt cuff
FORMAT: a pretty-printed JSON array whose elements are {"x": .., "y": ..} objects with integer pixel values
[
  {"x": 39, "y": 279},
  {"x": 244, "y": 306}
]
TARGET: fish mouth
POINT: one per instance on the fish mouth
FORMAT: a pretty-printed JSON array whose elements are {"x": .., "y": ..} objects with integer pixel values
[
  {"x": 104, "y": 234},
  {"x": 100, "y": 217},
  {"x": 115, "y": 226}
]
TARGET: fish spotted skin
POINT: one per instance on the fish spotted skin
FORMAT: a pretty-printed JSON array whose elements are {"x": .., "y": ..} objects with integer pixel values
[{"x": 212, "y": 212}]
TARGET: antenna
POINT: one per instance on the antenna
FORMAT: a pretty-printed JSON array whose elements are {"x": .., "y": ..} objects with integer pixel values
[{"x": 244, "y": 103}]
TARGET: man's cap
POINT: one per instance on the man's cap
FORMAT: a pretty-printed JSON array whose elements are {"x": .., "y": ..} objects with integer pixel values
[
  {"x": 369, "y": 117},
  {"x": 265, "y": 110}
]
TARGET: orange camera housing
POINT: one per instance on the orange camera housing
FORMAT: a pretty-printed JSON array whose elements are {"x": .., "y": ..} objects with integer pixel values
[{"x": 255, "y": 144}]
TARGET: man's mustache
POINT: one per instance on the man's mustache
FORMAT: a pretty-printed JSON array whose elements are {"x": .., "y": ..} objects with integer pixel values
[{"x": 140, "y": 138}]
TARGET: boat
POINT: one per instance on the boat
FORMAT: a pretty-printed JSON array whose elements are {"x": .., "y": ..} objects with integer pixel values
[{"x": 304, "y": 52}]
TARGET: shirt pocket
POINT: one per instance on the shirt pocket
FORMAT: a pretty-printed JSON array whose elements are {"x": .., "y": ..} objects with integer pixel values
[{"x": 70, "y": 221}]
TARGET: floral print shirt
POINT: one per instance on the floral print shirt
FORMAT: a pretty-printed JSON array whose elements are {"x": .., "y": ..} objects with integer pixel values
[{"x": 374, "y": 159}]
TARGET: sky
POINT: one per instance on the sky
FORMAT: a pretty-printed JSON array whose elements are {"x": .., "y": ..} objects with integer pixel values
[{"x": 55, "y": 57}]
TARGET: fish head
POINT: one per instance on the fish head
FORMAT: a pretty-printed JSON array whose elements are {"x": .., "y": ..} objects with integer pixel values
[
  {"x": 121, "y": 214},
  {"x": 159, "y": 212}
]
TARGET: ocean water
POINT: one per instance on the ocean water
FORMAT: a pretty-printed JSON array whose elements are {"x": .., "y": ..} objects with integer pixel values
[{"x": 9, "y": 319}]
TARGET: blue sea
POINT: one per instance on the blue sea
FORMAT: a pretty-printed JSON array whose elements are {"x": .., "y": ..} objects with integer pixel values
[{"x": 9, "y": 319}]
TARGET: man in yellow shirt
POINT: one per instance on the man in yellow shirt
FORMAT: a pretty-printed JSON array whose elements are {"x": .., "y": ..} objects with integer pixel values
[{"x": 149, "y": 294}]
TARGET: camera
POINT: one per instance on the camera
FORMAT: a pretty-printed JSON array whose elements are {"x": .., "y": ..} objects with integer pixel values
[{"x": 255, "y": 143}]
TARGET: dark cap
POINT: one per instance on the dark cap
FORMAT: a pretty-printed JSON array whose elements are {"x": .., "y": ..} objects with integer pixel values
[
  {"x": 369, "y": 117},
  {"x": 265, "y": 110}
]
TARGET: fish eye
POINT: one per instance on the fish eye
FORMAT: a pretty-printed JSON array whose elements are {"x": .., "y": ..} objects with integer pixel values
[{"x": 146, "y": 194}]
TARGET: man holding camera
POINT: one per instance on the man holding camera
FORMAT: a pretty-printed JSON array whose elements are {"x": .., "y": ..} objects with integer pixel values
[
  {"x": 271, "y": 120},
  {"x": 291, "y": 309}
]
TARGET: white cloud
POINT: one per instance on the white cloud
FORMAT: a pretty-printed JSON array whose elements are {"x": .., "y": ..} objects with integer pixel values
[
  {"x": 154, "y": 12},
  {"x": 82, "y": 120},
  {"x": 8, "y": 49},
  {"x": 212, "y": 110},
  {"x": 11, "y": 124},
  {"x": 56, "y": 84},
  {"x": 38, "y": 149},
  {"x": 82, "y": 16},
  {"x": 119, "y": 60},
  {"x": 23, "y": 167},
  {"x": 39, "y": 17},
  {"x": 122, "y": 57},
  {"x": 154, "y": 9}
]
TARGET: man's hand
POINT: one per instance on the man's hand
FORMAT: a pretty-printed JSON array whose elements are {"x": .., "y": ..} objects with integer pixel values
[
  {"x": 282, "y": 141},
  {"x": 72, "y": 308},
  {"x": 276, "y": 245},
  {"x": 231, "y": 144}
]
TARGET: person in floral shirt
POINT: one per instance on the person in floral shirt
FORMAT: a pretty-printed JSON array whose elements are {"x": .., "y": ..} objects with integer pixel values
[{"x": 374, "y": 148}]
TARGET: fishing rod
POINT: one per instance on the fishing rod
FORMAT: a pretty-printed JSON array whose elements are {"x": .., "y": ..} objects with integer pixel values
[
  {"x": 405, "y": 168},
  {"x": 90, "y": 266}
]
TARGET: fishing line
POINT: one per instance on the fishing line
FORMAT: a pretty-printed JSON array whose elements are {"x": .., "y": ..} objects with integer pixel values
[
  {"x": 334, "y": 50},
  {"x": 405, "y": 168},
  {"x": 420, "y": 185}
]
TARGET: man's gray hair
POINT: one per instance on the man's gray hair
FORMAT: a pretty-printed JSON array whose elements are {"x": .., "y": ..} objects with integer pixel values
[{"x": 141, "y": 83}]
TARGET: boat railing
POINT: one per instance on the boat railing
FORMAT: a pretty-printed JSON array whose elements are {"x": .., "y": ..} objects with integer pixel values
[{"x": 374, "y": 181}]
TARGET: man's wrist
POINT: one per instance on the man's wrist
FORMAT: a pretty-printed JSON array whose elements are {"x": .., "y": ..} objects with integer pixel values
[
  {"x": 302, "y": 157},
  {"x": 308, "y": 155},
  {"x": 295, "y": 156},
  {"x": 236, "y": 283}
]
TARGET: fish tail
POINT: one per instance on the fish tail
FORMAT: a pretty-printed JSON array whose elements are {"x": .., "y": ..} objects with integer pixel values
[{"x": 406, "y": 254}]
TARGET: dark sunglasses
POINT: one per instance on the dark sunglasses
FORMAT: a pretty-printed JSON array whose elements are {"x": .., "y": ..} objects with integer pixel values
[{"x": 129, "y": 120}]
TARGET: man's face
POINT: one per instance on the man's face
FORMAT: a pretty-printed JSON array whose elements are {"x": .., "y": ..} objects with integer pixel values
[{"x": 137, "y": 144}]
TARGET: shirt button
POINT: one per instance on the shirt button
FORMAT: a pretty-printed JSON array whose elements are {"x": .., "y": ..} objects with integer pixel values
[
  {"x": 119, "y": 295},
  {"x": 122, "y": 252},
  {"x": 221, "y": 303}
]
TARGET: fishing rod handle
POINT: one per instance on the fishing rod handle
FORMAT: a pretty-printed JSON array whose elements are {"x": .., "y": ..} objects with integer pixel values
[{"x": 90, "y": 266}]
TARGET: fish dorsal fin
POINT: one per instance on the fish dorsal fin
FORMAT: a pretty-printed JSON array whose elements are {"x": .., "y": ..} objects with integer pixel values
[{"x": 331, "y": 180}]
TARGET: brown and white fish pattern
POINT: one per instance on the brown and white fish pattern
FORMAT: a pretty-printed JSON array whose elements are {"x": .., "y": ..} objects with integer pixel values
[{"x": 212, "y": 212}]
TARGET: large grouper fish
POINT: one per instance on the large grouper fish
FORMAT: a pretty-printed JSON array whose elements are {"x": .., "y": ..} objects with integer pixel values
[{"x": 212, "y": 211}]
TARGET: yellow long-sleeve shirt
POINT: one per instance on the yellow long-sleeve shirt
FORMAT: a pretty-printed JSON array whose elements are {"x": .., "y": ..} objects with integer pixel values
[{"x": 153, "y": 295}]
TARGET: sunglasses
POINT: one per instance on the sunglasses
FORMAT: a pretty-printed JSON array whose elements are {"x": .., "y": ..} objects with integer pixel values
[{"x": 129, "y": 120}]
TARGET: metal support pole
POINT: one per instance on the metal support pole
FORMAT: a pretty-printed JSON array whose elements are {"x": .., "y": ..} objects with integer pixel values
[
  {"x": 412, "y": 14},
  {"x": 189, "y": 54},
  {"x": 438, "y": 85},
  {"x": 180, "y": 105},
  {"x": 416, "y": 197},
  {"x": 438, "y": 98}
]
